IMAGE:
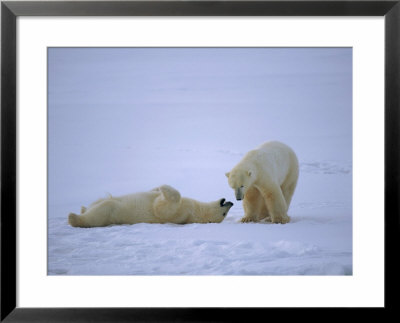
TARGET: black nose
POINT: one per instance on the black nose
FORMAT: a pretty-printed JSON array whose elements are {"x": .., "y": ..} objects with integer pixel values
[{"x": 221, "y": 202}]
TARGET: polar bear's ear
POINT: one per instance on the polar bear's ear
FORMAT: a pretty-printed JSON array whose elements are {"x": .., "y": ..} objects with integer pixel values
[
  {"x": 249, "y": 173},
  {"x": 227, "y": 174}
]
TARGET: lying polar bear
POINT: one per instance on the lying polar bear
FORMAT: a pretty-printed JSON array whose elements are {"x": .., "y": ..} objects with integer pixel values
[{"x": 163, "y": 204}]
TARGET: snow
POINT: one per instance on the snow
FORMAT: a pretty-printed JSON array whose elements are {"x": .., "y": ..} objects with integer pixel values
[{"x": 123, "y": 120}]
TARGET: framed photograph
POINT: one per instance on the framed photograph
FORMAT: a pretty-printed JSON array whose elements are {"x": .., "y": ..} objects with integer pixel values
[{"x": 196, "y": 160}]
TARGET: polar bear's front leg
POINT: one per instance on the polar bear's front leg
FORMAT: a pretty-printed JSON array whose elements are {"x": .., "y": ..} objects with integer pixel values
[
  {"x": 248, "y": 218},
  {"x": 251, "y": 205},
  {"x": 249, "y": 212},
  {"x": 167, "y": 203},
  {"x": 254, "y": 206},
  {"x": 276, "y": 204}
]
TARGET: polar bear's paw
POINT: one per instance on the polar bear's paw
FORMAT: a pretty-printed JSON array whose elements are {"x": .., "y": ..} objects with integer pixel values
[
  {"x": 76, "y": 220},
  {"x": 246, "y": 219},
  {"x": 281, "y": 219},
  {"x": 73, "y": 220}
]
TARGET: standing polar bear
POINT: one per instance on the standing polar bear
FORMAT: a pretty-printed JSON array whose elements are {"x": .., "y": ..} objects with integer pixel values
[
  {"x": 163, "y": 204},
  {"x": 265, "y": 179}
]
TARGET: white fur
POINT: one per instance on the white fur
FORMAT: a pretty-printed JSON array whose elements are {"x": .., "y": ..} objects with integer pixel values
[
  {"x": 265, "y": 179},
  {"x": 160, "y": 205}
]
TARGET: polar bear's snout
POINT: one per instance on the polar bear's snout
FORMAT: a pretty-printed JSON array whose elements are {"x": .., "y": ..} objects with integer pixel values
[
  {"x": 228, "y": 205},
  {"x": 239, "y": 193},
  {"x": 221, "y": 202}
]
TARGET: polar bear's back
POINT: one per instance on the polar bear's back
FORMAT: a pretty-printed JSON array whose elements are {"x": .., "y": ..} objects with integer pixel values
[
  {"x": 278, "y": 158},
  {"x": 277, "y": 148}
]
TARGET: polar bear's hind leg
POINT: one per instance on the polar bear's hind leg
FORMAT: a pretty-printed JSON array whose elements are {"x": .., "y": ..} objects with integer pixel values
[
  {"x": 100, "y": 215},
  {"x": 76, "y": 220},
  {"x": 288, "y": 191}
]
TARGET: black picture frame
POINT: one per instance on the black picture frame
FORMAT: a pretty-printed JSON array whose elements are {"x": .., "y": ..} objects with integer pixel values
[{"x": 10, "y": 10}]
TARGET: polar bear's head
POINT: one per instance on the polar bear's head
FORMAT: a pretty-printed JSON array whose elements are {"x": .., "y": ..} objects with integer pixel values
[
  {"x": 223, "y": 208},
  {"x": 204, "y": 212},
  {"x": 215, "y": 212},
  {"x": 240, "y": 180}
]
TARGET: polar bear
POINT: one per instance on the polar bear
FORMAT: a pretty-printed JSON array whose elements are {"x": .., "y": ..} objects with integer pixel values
[
  {"x": 163, "y": 204},
  {"x": 265, "y": 179}
]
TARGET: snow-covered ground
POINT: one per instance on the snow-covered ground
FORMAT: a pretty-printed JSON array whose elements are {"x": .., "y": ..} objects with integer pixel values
[{"x": 128, "y": 120}]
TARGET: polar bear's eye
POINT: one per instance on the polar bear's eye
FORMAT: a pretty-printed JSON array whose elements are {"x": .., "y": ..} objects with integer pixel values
[{"x": 241, "y": 186}]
